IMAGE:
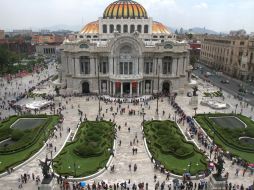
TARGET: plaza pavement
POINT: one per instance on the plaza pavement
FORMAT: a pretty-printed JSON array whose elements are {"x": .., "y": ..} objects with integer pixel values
[{"x": 123, "y": 154}]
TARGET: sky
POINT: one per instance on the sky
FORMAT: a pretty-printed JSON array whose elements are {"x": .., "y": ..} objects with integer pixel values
[{"x": 218, "y": 15}]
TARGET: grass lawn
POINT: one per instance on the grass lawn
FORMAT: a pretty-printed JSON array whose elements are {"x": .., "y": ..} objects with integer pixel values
[
  {"x": 26, "y": 146},
  {"x": 88, "y": 152},
  {"x": 167, "y": 145},
  {"x": 226, "y": 134}
]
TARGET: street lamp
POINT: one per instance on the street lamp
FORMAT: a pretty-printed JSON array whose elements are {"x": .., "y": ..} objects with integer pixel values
[
  {"x": 189, "y": 165},
  {"x": 75, "y": 167},
  {"x": 157, "y": 104},
  {"x": 99, "y": 90}
]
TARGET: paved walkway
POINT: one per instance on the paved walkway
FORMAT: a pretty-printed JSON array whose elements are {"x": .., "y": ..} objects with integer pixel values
[{"x": 123, "y": 154}]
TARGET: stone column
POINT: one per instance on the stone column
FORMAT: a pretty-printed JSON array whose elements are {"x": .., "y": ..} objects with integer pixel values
[
  {"x": 121, "y": 89},
  {"x": 138, "y": 88},
  {"x": 131, "y": 89},
  {"x": 77, "y": 65},
  {"x": 114, "y": 88},
  {"x": 109, "y": 87}
]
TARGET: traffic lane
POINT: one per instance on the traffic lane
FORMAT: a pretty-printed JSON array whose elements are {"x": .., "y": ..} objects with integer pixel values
[
  {"x": 233, "y": 91},
  {"x": 234, "y": 85},
  {"x": 249, "y": 87}
]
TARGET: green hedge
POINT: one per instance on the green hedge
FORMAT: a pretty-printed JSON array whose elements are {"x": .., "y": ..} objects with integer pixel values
[
  {"x": 89, "y": 149},
  {"x": 227, "y": 138},
  {"x": 167, "y": 144},
  {"x": 29, "y": 136},
  {"x": 13, "y": 158}
]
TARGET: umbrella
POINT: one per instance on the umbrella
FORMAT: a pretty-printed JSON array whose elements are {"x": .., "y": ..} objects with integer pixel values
[
  {"x": 82, "y": 183},
  {"x": 175, "y": 181},
  {"x": 251, "y": 165},
  {"x": 187, "y": 174}
]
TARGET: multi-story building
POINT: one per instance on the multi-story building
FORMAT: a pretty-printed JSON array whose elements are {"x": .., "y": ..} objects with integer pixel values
[
  {"x": 229, "y": 54},
  {"x": 251, "y": 58},
  {"x": 1, "y": 34},
  {"x": 125, "y": 53},
  {"x": 47, "y": 39}
]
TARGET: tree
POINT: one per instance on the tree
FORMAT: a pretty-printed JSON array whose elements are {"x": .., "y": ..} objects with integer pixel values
[{"x": 190, "y": 35}]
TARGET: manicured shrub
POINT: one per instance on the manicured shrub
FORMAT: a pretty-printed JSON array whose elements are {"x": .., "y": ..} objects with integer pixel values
[{"x": 17, "y": 135}]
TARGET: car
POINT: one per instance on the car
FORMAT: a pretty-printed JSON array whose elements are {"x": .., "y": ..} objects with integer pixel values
[
  {"x": 225, "y": 81},
  {"x": 252, "y": 93},
  {"x": 242, "y": 90}
]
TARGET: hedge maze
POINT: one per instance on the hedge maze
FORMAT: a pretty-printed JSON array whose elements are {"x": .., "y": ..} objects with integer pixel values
[
  {"x": 167, "y": 145},
  {"x": 20, "y": 144},
  {"x": 89, "y": 151},
  {"x": 227, "y": 137}
]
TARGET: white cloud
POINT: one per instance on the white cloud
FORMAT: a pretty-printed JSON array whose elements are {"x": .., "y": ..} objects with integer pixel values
[{"x": 201, "y": 6}]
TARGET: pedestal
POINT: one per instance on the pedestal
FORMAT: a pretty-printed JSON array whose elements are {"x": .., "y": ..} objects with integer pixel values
[
  {"x": 215, "y": 184},
  {"x": 194, "y": 101},
  {"x": 47, "y": 184}
]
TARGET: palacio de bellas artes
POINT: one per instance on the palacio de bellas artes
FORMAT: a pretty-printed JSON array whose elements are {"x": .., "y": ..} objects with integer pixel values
[{"x": 128, "y": 50}]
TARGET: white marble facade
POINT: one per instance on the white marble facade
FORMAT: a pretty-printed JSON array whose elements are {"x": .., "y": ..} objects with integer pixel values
[{"x": 124, "y": 63}]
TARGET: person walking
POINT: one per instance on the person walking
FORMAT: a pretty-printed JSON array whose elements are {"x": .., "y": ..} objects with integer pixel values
[
  {"x": 135, "y": 167},
  {"x": 129, "y": 167}
]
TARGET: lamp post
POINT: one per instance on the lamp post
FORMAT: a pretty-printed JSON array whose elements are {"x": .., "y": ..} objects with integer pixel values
[
  {"x": 75, "y": 167},
  {"x": 99, "y": 90},
  {"x": 189, "y": 165},
  {"x": 158, "y": 89}
]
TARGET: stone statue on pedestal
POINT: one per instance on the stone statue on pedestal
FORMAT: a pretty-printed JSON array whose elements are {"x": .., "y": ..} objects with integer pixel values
[{"x": 45, "y": 166}]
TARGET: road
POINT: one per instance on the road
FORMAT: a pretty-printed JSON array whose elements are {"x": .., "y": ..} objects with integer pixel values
[{"x": 231, "y": 88}]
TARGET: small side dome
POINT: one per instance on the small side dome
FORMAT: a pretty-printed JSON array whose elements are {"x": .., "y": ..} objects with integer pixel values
[
  {"x": 159, "y": 28},
  {"x": 91, "y": 28}
]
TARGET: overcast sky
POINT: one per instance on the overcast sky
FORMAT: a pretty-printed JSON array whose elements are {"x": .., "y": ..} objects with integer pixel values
[{"x": 219, "y": 15}]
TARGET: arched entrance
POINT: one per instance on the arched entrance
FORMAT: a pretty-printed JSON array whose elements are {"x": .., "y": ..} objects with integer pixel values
[
  {"x": 166, "y": 88},
  {"x": 85, "y": 88}
]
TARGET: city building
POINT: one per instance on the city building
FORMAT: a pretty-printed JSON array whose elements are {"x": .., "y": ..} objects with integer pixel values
[
  {"x": 125, "y": 53},
  {"x": 2, "y": 34},
  {"x": 18, "y": 44},
  {"x": 49, "y": 50},
  {"x": 47, "y": 39},
  {"x": 21, "y": 32},
  {"x": 229, "y": 54}
]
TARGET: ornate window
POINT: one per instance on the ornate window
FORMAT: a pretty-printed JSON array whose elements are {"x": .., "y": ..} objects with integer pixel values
[
  {"x": 84, "y": 65},
  {"x": 167, "y": 65},
  {"x": 125, "y": 28},
  {"x": 104, "y": 28},
  {"x": 148, "y": 65},
  {"x": 139, "y": 29},
  {"x": 111, "y": 28},
  {"x": 118, "y": 28},
  {"x": 146, "y": 28},
  {"x": 83, "y": 46},
  {"x": 132, "y": 29},
  {"x": 168, "y": 46}
]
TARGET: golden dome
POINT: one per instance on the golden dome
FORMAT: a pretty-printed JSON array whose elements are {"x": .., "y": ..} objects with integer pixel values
[
  {"x": 91, "y": 28},
  {"x": 159, "y": 28},
  {"x": 125, "y": 9}
]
